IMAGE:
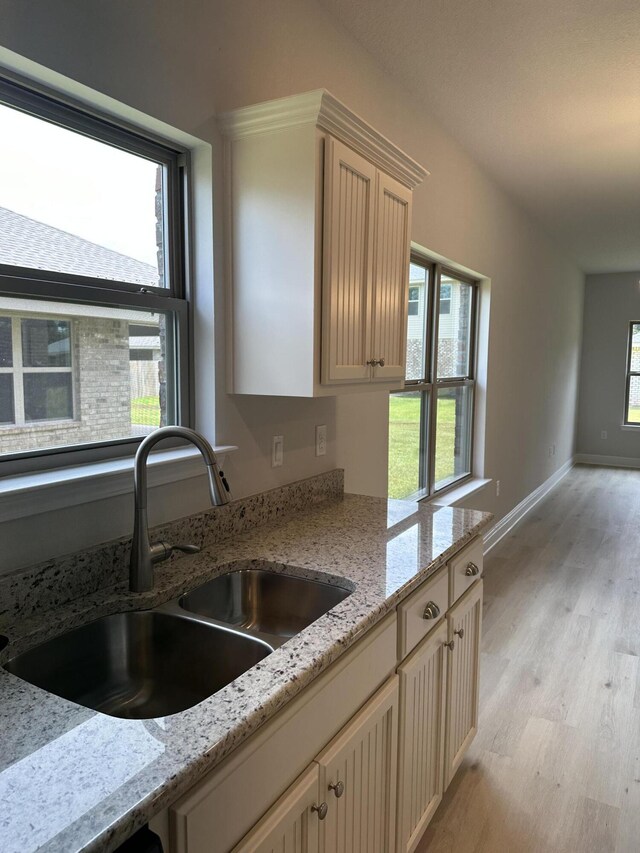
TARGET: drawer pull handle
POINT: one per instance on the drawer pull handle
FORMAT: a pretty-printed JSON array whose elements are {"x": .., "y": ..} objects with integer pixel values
[
  {"x": 472, "y": 570},
  {"x": 431, "y": 611},
  {"x": 450, "y": 645},
  {"x": 322, "y": 810},
  {"x": 338, "y": 789},
  {"x": 460, "y": 632}
]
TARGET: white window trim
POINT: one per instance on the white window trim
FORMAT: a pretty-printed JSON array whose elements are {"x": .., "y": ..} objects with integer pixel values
[
  {"x": 26, "y": 495},
  {"x": 32, "y": 494}
]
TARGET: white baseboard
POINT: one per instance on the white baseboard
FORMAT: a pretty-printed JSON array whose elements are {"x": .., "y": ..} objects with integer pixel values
[
  {"x": 610, "y": 461},
  {"x": 500, "y": 530}
]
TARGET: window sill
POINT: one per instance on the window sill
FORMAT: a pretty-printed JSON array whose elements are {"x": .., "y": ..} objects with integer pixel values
[
  {"x": 31, "y": 494},
  {"x": 460, "y": 493},
  {"x": 630, "y": 427}
]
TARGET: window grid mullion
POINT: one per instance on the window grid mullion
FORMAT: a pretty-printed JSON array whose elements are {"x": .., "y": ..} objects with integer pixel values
[{"x": 18, "y": 373}]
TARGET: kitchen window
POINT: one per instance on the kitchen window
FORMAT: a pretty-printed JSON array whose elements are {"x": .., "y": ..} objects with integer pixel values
[
  {"x": 94, "y": 348},
  {"x": 632, "y": 396},
  {"x": 431, "y": 420}
]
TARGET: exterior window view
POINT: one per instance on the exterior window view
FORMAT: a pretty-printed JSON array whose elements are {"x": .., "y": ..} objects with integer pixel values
[
  {"x": 87, "y": 347},
  {"x": 632, "y": 413},
  {"x": 430, "y": 422}
]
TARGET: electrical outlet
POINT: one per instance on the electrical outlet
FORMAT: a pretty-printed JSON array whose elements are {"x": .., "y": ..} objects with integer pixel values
[
  {"x": 497, "y": 488},
  {"x": 277, "y": 451},
  {"x": 321, "y": 440},
  {"x": 603, "y": 434}
]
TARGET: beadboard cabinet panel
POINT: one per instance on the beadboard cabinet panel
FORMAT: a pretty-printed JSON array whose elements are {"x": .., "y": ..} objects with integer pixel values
[
  {"x": 291, "y": 826},
  {"x": 390, "y": 284},
  {"x": 463, "y": 665},
  {"x": 363, "y": 757},
  {"x": 348, "y": 261}
]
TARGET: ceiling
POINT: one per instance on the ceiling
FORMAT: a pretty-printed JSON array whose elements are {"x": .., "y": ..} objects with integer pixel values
[{"x": 544, "y": 94}]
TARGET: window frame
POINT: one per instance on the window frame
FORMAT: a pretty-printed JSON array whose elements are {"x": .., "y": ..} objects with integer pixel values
[
  {"x": 173, "y": 298},
  {"x": 429, "y": 384},
  {"x": 629, "y": 374}
]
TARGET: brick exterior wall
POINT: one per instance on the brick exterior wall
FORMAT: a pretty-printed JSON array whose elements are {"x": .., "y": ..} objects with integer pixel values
[{"x": 102, "y": 396}]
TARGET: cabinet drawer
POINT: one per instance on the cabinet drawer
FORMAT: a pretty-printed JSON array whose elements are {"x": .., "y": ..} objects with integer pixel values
[
  {"x": 413, "y": 622},
  {"x": 464, "y": 569}
]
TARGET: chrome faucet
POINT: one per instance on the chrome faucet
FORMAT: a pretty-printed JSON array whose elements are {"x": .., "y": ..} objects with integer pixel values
[{"x": 143, "y": 554}]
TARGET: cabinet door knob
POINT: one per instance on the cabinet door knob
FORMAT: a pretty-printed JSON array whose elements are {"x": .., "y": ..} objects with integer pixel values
[
  {"x": 460, "y": 632},
  {"x": 374, "y": 362},
  {"x": 431, "y": 611},
  {"x": 322, "y": 810},
  {"x": 338, "y": 789},
  {"x": 450, "y": 645},
  {"x": 381, "y": 362},
  {"x": 472, "y": 570}
]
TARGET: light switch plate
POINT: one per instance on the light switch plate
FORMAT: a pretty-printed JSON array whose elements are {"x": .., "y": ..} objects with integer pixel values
[
  {"x": 321, "y": 440},
  {"x": 277, "y": 451}
]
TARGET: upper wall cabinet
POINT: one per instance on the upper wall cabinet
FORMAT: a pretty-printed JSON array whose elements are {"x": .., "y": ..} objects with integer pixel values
[{"x": 318, "y": 230}]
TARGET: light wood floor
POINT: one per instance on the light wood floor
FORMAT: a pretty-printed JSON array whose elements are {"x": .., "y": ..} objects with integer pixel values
[{"x": 555, "y": 765}]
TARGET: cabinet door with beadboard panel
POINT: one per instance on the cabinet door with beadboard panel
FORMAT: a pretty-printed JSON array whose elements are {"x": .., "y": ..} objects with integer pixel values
[
  {"x": 348, "y": 264},
  {"x": 361, "y": 765},
  {"x": 291, "y": 825},
  {"x": 391, "y": 278},
  {"x": 463, "y": 669},
  {"x": 421, "y": 752}
]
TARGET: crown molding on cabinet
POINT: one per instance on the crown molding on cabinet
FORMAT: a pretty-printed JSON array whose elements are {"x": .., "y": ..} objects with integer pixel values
[{"x": 322, "y": 109}]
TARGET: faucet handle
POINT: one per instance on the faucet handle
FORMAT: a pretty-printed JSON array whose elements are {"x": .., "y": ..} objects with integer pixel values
[{"x": 162, "y": 550}]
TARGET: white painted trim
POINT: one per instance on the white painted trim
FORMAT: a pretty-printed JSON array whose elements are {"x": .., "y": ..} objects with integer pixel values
[
  {"x": 610, "y": 461},
  {"x": 32, "y": 494},
  {"x": 506, "y": 524},
  {"x": 322, "y": 109}
]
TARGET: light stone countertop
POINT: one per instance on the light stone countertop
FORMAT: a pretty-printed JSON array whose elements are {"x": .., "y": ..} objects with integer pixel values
[{"x": 72, "y": 779}]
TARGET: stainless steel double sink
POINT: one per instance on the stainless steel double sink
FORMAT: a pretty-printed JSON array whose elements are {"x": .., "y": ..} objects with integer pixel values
[{"x": 150, "y": 663}]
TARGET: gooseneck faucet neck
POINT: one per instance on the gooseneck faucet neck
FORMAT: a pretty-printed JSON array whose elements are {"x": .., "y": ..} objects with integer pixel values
[{"x": 143, "y": 554}]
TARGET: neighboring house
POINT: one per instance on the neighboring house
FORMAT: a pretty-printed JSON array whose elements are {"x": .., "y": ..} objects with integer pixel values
[
  {"x": 68, "y": 373},
  {"x": 454, "y": 311}
]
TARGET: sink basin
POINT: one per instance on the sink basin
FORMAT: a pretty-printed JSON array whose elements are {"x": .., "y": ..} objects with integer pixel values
[
  {"x": 263, "y": 601},
  {"x": 140, "y": 664}
]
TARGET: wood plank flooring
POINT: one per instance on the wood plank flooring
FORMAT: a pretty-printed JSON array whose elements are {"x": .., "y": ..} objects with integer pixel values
[{"x": 555, "y": 765}]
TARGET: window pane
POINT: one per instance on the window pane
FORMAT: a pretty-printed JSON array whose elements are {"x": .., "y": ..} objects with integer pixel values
[
  {"x": 48, "y": 396},
  {"x": 404, "y": 443},
  {"x": 635, "y": 348},
  {"x": 46, "y": 343},
  {"x": 453, "y": 434},
  {"x": 71, "y": 204},
  {"x": 418, "y": 290},
  {"x": 6, "y": 356},
  {"x": 633, "y": 414},
  {"x": 454, "y": 327},
  {"x": 120, "y": 383},
  {"x": 6, "y": 399}
]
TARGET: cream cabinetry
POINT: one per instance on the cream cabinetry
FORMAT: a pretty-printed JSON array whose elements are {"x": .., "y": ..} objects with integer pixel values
[
  {"x": 421, "y": 749},
  {"x": 358, "y": 777},
  {"x": 292, "y": 825},
  {"x": 344, "y": 802},
  {"x": 318, "y": 231},
  {"x": 464, "y": 628}
]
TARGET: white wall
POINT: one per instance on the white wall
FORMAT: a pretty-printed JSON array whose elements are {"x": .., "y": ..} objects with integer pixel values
[
  {"x": 612, "y": 301},
  {"x": 182, "y": 63}
]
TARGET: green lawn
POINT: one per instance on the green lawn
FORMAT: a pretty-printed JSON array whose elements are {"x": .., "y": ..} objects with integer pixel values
[
  {"x": 145, "y": 411},
  {"x": 404, "y": 443},
  {"x": 634, "y": 415}
]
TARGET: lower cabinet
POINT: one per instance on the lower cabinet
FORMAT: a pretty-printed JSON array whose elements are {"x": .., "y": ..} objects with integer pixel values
[
  {"x": 464, "y": 623},
  {"x": 422, "y": 724},
  {"x": 345, "y": 801},
  {"x": 292, "y": 825}
]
